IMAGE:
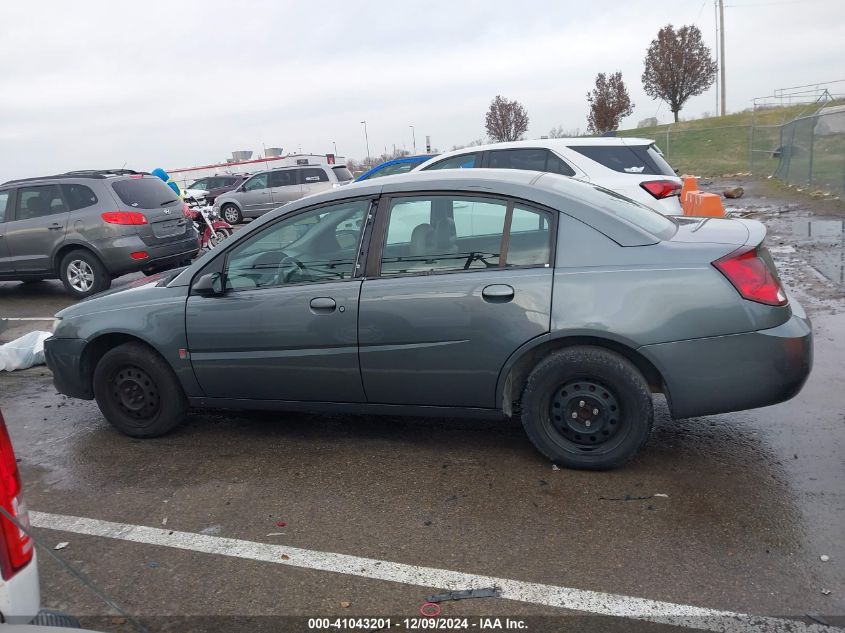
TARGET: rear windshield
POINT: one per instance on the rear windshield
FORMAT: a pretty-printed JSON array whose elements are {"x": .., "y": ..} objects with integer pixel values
[
  {"x": 342, "y": 173},
  {"x": 144, "y": 193},
  {"x": 623, "y": 208},
  {"x": 633, "y": 159}
]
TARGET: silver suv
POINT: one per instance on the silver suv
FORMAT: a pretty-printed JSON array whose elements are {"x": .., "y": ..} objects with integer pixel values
[
  {"x": 267, "y": 190},
  {"x": 87, "y": 227}
]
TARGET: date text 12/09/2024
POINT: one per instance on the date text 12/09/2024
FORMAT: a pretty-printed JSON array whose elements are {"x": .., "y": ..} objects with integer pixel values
[{"x": 412, "y": 624}]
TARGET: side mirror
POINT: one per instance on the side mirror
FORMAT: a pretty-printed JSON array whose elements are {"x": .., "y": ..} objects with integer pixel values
[{"x": 209, "y": 285}]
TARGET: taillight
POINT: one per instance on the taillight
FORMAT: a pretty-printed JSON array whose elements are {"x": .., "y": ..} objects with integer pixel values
[
  {"x": 15, "y": 545},
  {"x": 124, "y": 217},
  {"x": 662, "y": 188},
  {"x": 753, "y": 278}
]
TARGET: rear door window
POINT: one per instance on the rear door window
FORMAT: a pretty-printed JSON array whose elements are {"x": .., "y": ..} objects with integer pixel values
[
  {"x": 556, "y": 165},
  {"x": 313, "y": 174},
  {"x": 532, "y": 159},
  {"x": 343, "y": 174},
  {"x": 462, "y": 161},
  {"x": 79, "y": 196},
  {"x": 625, "y": 159},
  {"x": 144, "y": 193},
  {"x": 36, "y": 202},
  {"x": 283, "y": 178}
]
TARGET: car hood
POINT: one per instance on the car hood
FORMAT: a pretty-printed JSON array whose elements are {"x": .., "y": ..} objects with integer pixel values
[{"x": 139, "y": 292}]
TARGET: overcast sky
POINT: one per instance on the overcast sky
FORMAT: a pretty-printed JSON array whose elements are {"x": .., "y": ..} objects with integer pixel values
[{"x": 87, "y": 84}]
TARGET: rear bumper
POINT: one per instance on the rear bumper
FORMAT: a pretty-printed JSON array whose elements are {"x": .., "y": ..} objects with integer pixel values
[
  {"x": 64, "y": 358},
  {"x": 736, "y": 372},
  {"x": 118, "y": 260},
  {"x": 20, "y": 599}
]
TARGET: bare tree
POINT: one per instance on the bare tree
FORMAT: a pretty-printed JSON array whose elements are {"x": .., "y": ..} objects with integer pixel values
[
  {"x": 678, "y": 65},
  {"x": 609, "y": 103},
  {"x": 560, "y": 132},
  {"x": 475, "y": 143},
  {"x": 506, "y": 120}
]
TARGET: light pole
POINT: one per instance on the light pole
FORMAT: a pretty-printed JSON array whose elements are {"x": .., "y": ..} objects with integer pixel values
[
  {"x": 414, "y": 134},
  {"x": 335, "y": 147},
  {"x": 367, "y": 139}
]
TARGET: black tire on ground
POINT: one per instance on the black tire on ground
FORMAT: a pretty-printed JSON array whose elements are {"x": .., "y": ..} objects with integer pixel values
[
  {"x": 231, "y": 214},
  {"x": 83, "y": 274},
  {"x": 587, "y": 408},
  {"x": 137, "y": 391}
]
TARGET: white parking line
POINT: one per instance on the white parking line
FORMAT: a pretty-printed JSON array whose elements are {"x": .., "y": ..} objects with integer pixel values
[{"x": 593, "y": 602}]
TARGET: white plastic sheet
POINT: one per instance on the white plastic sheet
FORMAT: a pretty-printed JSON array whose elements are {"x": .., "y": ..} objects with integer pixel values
[{"x": 23, "y": 352}]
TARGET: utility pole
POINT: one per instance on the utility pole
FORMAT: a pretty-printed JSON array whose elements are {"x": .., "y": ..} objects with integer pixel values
[
  {"x": 722, "y": 51},
  {"x": 367, "y": 139},
  {"x": 414, "y": 133}
]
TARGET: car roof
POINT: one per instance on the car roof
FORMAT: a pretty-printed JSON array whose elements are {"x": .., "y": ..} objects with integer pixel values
[
  {"x": 552, "y": 143},
  {"x": 98, "y": 174}
]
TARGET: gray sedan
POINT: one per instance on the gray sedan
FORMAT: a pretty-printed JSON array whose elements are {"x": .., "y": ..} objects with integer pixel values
[{"x": 475, "y": 293}]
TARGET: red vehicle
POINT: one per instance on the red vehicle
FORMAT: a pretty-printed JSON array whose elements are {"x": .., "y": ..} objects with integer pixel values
[{"x": 211, "y": 228}]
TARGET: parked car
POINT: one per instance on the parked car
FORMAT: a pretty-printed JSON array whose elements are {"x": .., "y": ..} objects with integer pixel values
[
  {"x": 87, "y": 227},
  {"x": 480, "y": 293},
  {"x": 395, "y": 166},
  {"x": 267, "y": 190},
  {"x": 212, "y": 186},
  {"x": 634, "y": 167},
  {"x": 20, "y": 596}
]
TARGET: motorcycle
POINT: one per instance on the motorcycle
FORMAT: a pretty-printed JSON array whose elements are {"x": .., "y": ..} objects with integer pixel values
[{"x": 210, "y": 226}]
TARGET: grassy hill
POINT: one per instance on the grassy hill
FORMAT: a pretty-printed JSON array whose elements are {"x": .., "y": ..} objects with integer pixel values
[{"x": 723, "y": 145}]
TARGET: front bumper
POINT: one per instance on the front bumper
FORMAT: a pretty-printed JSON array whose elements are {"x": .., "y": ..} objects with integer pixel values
[
  {"x": 736, "y": 372},
  {"x": 64, "y": 358}
]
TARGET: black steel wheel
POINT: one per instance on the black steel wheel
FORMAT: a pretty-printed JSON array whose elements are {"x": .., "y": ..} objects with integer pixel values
[
  {"x": 137, "y": 391},
  {"x": 587, "y": 407}
]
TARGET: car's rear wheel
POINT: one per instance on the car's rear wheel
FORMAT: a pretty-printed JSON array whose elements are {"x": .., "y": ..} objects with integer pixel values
[
  {"x": 588, "y": 408},
  {"x": 137, "y": 391},
  {"x": 231, "y": 214},
  {"x": 83, "y": 274}
]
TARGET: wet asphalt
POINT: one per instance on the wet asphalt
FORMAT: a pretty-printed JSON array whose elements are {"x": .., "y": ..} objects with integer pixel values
[{"x": 753, "y": 499}]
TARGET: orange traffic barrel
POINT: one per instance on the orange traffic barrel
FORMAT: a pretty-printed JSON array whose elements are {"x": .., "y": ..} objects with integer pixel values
[
  {"x": 690, "y": 185},
  {"x": 704, "y": 205}
]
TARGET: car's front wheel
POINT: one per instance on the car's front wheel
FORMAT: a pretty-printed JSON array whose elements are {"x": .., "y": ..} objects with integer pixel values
[
  {"x": 231, "y": 214},
  {"x": 137, "y": 391},
  {"x": 588, "y": 408},
  {"x": 83, "y": 274}
]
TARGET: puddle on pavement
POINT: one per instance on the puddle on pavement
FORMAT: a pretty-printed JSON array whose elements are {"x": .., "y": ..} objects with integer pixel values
[{"x": 825, "y": 244}]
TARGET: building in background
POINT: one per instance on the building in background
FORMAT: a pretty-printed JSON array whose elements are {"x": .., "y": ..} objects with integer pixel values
[{"x": 243, "y": 163}]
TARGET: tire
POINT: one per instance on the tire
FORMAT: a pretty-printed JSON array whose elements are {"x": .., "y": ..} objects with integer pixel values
[
  {"x": 231, "y": 214},
  {"x": 220, "y": 235},
  {"x": 83, "y": 274},
  {"x": 607, "y": 393},
  {"x": 137, "y": 391}
]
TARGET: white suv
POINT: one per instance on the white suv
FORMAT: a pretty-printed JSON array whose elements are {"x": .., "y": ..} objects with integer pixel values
[{"x": 633, "y": 167}]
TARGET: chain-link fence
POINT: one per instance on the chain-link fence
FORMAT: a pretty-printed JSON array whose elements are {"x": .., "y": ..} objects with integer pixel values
[
  {"x": 797, "y": 147},
  {"x": 812, "y": 151}
]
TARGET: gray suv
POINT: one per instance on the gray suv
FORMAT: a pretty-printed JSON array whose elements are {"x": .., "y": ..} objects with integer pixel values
[
  {"x": 460, "y": 292},
  {"x": 267, "y": 190},
  {"x": 87, "y": 227}
]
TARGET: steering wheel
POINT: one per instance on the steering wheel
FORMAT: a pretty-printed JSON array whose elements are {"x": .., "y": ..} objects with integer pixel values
[{"x": 290, "y": 266}]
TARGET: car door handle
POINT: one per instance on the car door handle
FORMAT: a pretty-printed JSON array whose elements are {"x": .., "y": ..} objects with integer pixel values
[
  {"x": 323, "y": 304},
  {"x": 55, "y": 227},
  {"x": 499, "y": 293}
]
